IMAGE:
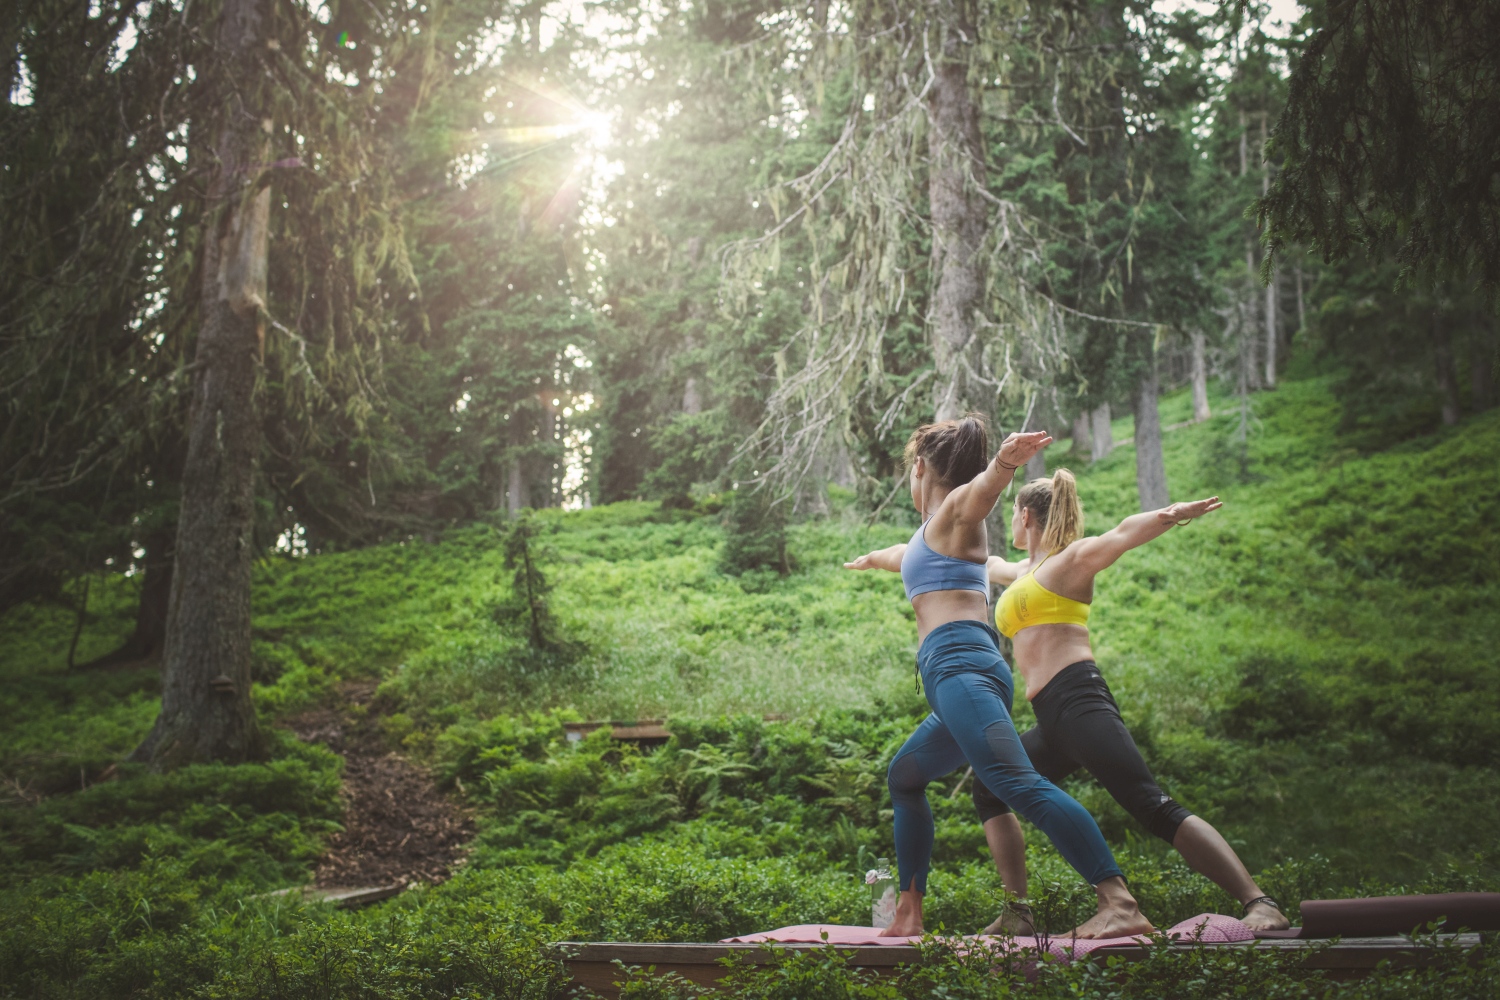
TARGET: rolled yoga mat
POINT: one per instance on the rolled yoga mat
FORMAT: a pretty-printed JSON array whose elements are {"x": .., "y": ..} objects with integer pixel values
[{"x": 1379, "y": 916}]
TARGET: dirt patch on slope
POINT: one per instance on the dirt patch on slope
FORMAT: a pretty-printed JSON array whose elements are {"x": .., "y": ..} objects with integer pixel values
[{"x": 398, "y": 828}]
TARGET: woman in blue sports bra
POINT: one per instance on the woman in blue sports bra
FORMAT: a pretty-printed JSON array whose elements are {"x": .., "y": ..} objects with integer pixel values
[{"x": 967, "y": 682}]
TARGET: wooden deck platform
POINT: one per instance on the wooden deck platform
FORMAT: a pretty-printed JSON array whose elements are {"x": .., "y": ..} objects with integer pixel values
[{"x": 592, "y": 963}]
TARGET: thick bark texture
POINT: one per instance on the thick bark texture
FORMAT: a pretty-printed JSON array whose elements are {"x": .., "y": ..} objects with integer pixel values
[
  {"x": 958, "y": 220},
  {"x": 1150, "y": 467},
  {"x": 206, "y": 712},
  {"x": 1103, "y": 438},
  {"x": 1447, "y": 375},
  {"x": 1201, "y": 412}
]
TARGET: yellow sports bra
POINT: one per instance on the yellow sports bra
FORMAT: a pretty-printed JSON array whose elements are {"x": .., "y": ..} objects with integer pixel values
[{"x": 1026, "y": 603}]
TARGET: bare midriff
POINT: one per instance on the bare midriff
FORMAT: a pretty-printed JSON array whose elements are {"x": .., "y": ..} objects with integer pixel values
[
  {"x": 939, "y": 607},
  {"x": 1042, "y": 651}
]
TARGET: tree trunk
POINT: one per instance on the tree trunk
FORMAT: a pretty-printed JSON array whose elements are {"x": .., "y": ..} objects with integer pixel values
[
  {"x": 842, "y": 465},
  {"x": 1270, "y": 308},
  {"x": 80, "y": 619},
  {"x": 151, "y": 607},
  {"x": 549, "y": 488},
  {"x": 1447, "y": 377},
  {"x": 1103, "y": 437},
  {"x": 517, "y": 496},
  {"x": 1201, "y": 412},
  {"x": 1082, "y": 439},
  {"x": 206, "y": 712},
  {"x": 1150, "y": 467},
  {"x": 996, "y": 527},
  {"x": 1037, "y": 467},
  {"x": 958, "y": 218},
  {"x": 812, "y": 488},
  {"x": 1248, "y": 335},
  {"x": 1301, "y": 310}
]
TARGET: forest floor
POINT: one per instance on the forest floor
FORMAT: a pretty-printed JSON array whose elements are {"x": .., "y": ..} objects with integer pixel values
[{"x": 398, "y": 827}]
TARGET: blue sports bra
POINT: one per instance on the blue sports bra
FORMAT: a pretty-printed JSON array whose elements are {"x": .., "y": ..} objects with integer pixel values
[{"x": 923, "y": 570}]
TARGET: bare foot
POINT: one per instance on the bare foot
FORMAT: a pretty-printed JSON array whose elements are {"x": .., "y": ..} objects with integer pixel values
[
  {"x": 1265, "y": 917},
  {"x": 1118, "y": 915},
  {"x": 1114, "y": 921},
  {"x": 903, "y": 928},
  {"x": 1015, "y": 919},
  {"x": 908, "y": 919}
]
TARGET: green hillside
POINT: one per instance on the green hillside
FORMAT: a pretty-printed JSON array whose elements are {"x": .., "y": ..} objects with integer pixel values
[{"x": 1312, "y": 667}]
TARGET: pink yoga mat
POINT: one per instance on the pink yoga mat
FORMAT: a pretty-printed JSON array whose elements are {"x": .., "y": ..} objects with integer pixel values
[{"x": 1209, "y": 928}]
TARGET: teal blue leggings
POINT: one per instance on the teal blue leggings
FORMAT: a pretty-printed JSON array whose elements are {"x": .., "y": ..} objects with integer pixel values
[{"x": 968, "y": 687}]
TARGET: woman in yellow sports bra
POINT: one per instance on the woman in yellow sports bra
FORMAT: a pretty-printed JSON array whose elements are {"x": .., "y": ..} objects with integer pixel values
[{"x": 1045, "y": 611}]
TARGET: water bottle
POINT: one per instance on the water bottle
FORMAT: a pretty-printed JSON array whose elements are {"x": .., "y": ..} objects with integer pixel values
[{"x": 882, "y": 894}]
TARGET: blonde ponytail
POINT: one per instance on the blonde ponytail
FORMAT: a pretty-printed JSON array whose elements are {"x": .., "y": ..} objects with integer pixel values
[{"x": 1054, "y": 502}]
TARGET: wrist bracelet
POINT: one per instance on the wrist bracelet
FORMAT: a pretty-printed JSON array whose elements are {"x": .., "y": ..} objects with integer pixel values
[{"x": 1002, "y": 465}]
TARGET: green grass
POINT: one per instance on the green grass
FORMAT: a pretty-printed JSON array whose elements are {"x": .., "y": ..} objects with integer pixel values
[{"x": 1312, "y": 668}]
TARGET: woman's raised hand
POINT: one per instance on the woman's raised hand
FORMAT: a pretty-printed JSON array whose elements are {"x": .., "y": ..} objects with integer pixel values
[
  {"x": 866, "y": 561},
  {"x": 1182, "y": 513},
  {"x": 1018, "y": 449}
]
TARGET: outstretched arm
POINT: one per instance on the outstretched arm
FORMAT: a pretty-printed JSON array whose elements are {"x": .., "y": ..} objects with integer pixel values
[
  {"x": 889, "y": 558},
  {"x": 1002, "y": 573},
  {"x": 1095, "y": 554},
  {"x": 974, "y": 500}
]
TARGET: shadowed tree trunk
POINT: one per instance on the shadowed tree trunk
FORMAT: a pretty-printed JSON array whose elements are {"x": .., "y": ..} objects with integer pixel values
[
  {"x": 151, "y": 610},
  {"x": 1150, "y": 468},
  {"x": 206, "y": 712},
  {"x": 958, "y": 217}
]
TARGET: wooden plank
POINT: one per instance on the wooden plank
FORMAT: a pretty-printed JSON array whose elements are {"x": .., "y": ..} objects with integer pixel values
[
  {"x": 346, "y": 899},
  {"x": 643, "y": 730},
  {"x": 592, "y": 963}
]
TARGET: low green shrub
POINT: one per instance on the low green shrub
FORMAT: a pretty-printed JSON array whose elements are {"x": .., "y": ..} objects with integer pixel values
[{"x": 262, "y": 822}]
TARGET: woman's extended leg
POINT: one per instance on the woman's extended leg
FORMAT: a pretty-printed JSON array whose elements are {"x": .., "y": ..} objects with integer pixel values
[
  {"x": 1007, "y": 843},
  {"x": 1079, "y": 725},
  {"x": 928, "y": 754},
  {"x": 972, "y": 707}
]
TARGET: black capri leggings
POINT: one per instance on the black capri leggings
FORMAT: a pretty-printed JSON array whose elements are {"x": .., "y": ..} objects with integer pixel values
[{"x": 1078, "y": 725}]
